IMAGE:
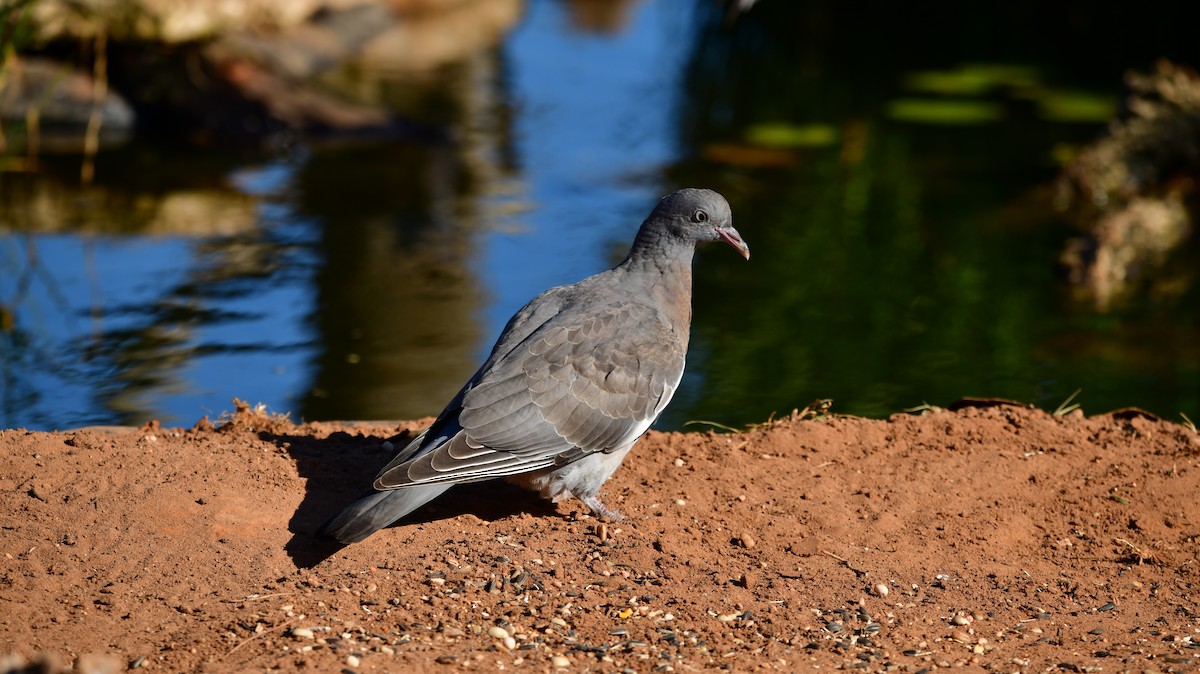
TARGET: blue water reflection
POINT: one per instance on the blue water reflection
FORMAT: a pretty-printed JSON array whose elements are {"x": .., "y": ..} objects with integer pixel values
[
  {"x": 118, "y": 329},
  {"x": 596, "y": 125}
]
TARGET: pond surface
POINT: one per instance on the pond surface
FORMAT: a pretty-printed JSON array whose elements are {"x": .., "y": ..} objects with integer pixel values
[{"x": 891, "y": 179}]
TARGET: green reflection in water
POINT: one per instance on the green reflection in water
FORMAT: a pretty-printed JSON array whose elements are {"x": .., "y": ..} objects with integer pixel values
[
  {"x": 893, "y": 282},
  {"x": 943, "y": 111},
  {"x": 914, "y": 260}
]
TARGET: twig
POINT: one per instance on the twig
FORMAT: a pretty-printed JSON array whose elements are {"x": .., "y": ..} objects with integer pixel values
[
  {"x": 91, "y": 138},
  {"x": 857, "y": 573},
  {"x": 714, "y": 424},
  {"x": 256, "y": 597},
  {"x": 1141, "y": 555},
  {"x": 235, "y": 648},
  {"x": 268, "y": 596}
]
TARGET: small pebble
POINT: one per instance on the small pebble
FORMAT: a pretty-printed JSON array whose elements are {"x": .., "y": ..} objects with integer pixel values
[
  {"x": 680, "y": 502},
  {"x": 352, "y": 661},
  {"x": 881, "y": 589},
  {"x": 497, "y": 632},
  {"x": 960, "y": 619},
  {"x": 560, "y": 661},
  {"x": 302, "y": 633},
  {"x": 678, "y": 463},
  {"x": 747, "y": 540},
  {"x": 509, "y": 643}
]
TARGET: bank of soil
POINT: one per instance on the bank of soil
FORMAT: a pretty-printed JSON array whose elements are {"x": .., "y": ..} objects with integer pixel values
[{"x": 994, "y": 537}]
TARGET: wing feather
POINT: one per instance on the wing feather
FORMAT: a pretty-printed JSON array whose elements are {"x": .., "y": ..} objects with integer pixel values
[{"x": 564, "y": 380}]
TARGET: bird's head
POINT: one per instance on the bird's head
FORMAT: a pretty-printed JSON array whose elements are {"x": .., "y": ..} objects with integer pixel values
[{"x": 697, "y": 215}]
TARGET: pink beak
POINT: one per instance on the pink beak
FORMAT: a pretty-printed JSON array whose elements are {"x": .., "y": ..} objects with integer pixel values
[{"x": 731, "y": 237}]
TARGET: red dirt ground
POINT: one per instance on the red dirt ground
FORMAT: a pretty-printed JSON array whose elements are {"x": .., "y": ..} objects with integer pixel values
[{"x": 994, "y": 537}]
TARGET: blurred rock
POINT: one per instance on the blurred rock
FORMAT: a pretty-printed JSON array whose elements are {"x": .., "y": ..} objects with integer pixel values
[
  {"x": 42, "y": 663},
  {"x": 309, "y": 49},
  {"x": 269, "y": 78},
  {"x": 1134, "y": 191},
  {"x": 171, "y": 21},
  {"x": 99, "y": 663},
  {"x": 250, "y": 71},
  {"x": 1127, "y": 243},
  {"x": 59, "y": 102},
  {"x": 425, "y": 41}
]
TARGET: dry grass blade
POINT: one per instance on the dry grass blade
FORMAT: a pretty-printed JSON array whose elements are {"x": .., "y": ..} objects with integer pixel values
[
  {"x": 1067, "y": 407},
  {"x": 925, "y": 408},
  {"x": 714, "y": 424},
  {"x": 256, "y": 636},
  {"x": 817, "y": 409}
]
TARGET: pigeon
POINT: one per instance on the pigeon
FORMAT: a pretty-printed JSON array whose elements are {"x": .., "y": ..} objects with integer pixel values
[{"x": 574, "y": 380}]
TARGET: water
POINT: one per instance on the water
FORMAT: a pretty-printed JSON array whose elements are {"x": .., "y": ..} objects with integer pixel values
[{"x": 902, "y": 255}]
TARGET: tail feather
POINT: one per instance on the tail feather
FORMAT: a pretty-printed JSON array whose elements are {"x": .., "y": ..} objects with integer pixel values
[{"x": 377, "y": 509}]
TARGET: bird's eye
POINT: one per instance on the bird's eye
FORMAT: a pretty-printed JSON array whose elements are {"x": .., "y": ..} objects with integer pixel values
[{"x": 699, "y": 216}]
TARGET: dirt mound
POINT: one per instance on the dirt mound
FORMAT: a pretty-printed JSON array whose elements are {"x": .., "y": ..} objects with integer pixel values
[{"x": 999, "y": 537}]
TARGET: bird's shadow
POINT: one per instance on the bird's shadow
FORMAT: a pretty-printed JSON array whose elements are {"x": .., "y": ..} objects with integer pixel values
[{"x": 340, "y": 467}]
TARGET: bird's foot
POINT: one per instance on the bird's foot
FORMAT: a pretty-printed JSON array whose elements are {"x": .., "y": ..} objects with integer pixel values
[{"x": 600, "y": 510}]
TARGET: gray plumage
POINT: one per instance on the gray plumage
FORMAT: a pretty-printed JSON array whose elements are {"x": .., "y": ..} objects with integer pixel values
[{"x": 575, "y": 378}]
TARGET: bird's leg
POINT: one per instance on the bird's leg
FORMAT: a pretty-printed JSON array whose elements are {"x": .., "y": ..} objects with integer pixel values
[{"x": 600, "y": 510}]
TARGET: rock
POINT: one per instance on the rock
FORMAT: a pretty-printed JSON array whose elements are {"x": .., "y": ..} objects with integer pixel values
[
  {"x": 171, "y": 21},
  {"x": 1133, "y": 190},
  {"x": 99, "y": 663},
  {"x": 62, "y": 100},
  {"x": 426, "y": 41}
]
